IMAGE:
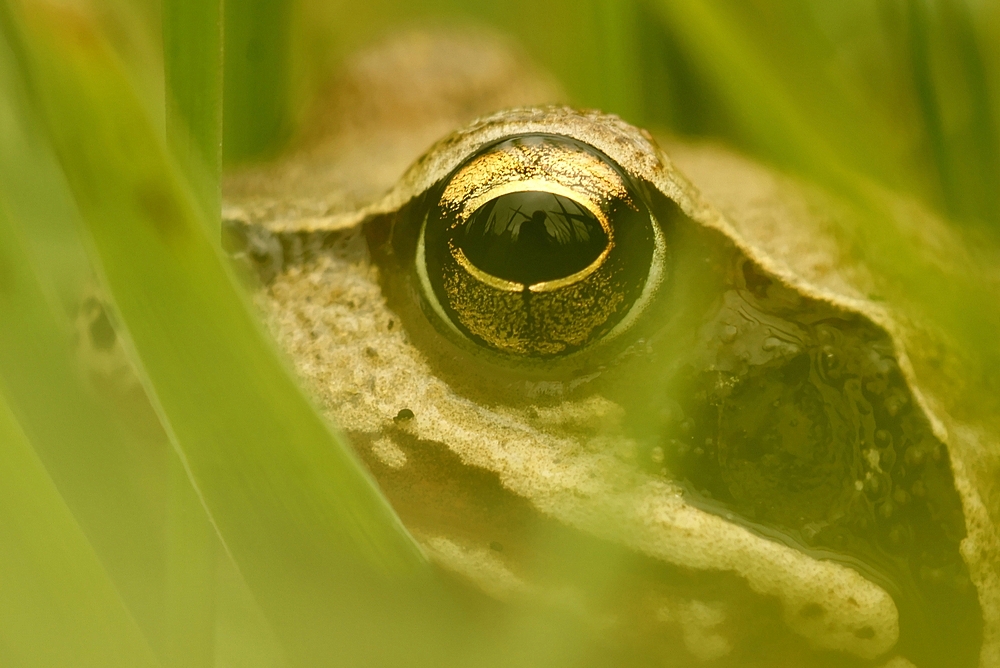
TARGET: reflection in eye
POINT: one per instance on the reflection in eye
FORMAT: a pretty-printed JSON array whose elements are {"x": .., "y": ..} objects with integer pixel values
[
  {"x": 531, "y": 237},
  {"x": 538, "y": 246}
]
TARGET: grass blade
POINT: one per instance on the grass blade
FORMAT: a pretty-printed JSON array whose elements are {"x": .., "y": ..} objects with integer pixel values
[
  {"x": 189, "y": 592},
  {"x": 258, "y": 82},
  {"x": 106, "y": 473},
  {"x": 316, "y": 542},
  {"x": 192, "y": 63},
  {"x": 59, "y": 608},
  {"x": 192, "y": 68},
  {"x": 58, "y": 605}
]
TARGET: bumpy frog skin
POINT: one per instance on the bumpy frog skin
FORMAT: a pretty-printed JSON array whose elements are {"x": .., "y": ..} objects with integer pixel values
[{"x": 628, "y": 484}]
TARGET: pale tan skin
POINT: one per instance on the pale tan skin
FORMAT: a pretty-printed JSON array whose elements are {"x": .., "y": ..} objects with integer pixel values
[{"x": 481, "y": 484}]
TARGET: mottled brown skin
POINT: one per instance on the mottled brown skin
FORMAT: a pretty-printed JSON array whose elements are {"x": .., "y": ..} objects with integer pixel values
[{"x": 541, "y": 492}]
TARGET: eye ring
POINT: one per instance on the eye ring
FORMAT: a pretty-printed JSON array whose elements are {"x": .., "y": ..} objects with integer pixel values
[{"x": 538, "y": 246}]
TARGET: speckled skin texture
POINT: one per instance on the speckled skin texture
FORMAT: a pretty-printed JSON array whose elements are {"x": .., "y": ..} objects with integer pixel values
[{"x": 481, "y": 481}]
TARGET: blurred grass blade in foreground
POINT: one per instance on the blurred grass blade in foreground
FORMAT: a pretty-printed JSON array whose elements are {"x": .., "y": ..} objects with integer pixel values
[
  {"x": 192, "y": 64},
  {"x": 789, "y": 101},
  {"x": 319, "y": 547},
  {"x": 899, "y": 91},
  {"x": 58, "y": 606},
  {"x": 101, "y": 471}
]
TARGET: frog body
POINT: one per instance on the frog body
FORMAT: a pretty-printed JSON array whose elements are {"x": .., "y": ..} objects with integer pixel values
[{"x": 738, "y": 477}]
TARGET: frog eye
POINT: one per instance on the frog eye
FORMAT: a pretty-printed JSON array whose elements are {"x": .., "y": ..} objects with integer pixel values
[{"x": 538, "y": 246}]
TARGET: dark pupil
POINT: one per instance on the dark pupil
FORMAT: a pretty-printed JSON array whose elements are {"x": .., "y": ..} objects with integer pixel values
[{"x": 529, "y": 237}]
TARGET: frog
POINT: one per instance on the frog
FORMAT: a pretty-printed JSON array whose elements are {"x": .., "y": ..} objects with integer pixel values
[{"x": 642, "y": 380}]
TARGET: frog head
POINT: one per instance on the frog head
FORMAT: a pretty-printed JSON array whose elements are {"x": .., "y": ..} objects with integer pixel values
[{"x": 652, "y": 388}]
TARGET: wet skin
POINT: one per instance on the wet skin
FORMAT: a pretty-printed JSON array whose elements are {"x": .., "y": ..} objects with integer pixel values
[{"x": 720, "y": 451}]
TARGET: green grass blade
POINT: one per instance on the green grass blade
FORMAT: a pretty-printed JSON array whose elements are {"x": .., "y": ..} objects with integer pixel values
[
  {"x": 258, "y": 81},
  {"x": 101, "y": 439},
  {"x": 897, "y": 91},
  {"x": 621, "y": 67},
  {"x": 762, "y": 112},
  {"x": 102, "y": 471},
  {"x": 58, "y": 606},
  {"x": 192, "y": 63},
  {"x": 189, "y": 592},
  {"x": 192, "y": 67},
  {"x": 957, "y": 104},
  {"x": 314, "y": 539}
]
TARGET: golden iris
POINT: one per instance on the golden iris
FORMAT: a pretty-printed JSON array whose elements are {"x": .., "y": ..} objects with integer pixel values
[{"x": 538, "y": 245}]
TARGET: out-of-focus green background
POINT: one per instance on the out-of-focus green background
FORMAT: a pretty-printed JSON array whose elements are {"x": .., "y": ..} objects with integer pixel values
[
  {"x": 209, "y": 517},
  {"x": 901, "y": 90}
]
